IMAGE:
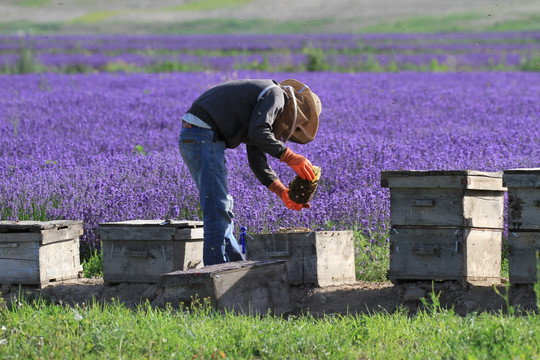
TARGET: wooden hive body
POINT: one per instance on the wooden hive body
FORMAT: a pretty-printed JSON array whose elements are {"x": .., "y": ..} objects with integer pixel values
[
  {"x": 38, "y": 252},
  {"x": 523, "y": 224},
  {"x": 318, "y": 257},
  {"x": 249, "y": 287},
  {"x": 139, "y": 251}
]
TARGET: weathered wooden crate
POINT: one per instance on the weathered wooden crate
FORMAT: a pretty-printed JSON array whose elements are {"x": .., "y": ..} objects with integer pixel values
[
  {"x": 139, "y": 251},
  {"x": 523, "y": 198},
  {"x": 446, "y": 225},
  {"x": 523, "y": 223},
  {"x": 38, "y": 252},
  {"x": 462, "y": 254},
  {"x": 249, "y": 287},
  {"x": 317, "y": 257},
  {"x": 522, "y": 261},
  {"x": 445, "y": 198}
]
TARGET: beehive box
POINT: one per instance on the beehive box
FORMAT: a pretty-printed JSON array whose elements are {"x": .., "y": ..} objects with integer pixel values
[
  {"x": 523, "y": 223},
  {"x": 249, "y": 287},
  {"x": 461, "y": 254},
  {"x": 446, "y": 225},
  {"x": 139, "y": 251},
  {"x": 445, "y": 198},
  {"x": 523, "y": 198},
  {"x": 316, "y": 257},
  {"x": 38, "y": 252}
]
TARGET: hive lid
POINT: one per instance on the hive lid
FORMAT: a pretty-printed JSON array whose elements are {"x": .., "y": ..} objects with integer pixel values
[
  {"x": 36, "y": 226},
  {"x": 466, "y": 179},
  {"x": 151, "y": 223},
  {"x": 205, "y": 274},
  {"x": 525, "y": 177},
  {"x": 522, "y": 171}
]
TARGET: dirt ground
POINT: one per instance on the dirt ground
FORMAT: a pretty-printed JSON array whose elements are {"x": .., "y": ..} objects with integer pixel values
[{"x": 359, "y": 297}]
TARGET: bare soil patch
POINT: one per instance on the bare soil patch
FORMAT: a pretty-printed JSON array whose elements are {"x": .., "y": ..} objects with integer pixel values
[{"x": 359, "y": 297}]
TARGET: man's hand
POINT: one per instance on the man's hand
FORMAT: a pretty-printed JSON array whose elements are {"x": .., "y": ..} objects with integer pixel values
[
  {"x": 280, "y": 190},
  {"x": 298, "y": 163}
]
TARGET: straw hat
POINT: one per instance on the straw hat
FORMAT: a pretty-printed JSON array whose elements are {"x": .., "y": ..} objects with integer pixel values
[{"x": 299, "y": 121}]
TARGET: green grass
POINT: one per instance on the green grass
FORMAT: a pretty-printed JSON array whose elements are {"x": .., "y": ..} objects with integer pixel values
[
  {"x": 202, "y": 5},
  {"x": 28, "y": 27},
  {"x": 35, "y": 329},
  {"x": 93, "y": 265},
  {"x": 448, "y": 23},
  {"x": 528, "y": 22},
  {"x": 32, "y": 3},
  {"x": 455, "y": 23},
  {"x": 94, "y": 17},
  {"x": 235, "y": 26}
]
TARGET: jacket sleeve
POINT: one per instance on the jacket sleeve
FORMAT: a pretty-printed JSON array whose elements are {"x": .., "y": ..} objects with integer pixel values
[
  {"x": 258, "y": 163},
  {"x": 268, "y": 108}
]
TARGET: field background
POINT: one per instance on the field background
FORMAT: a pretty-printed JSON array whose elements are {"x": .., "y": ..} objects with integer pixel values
[
  {"x": 261, "y": 16},
  {"x": 439, "y": 115}
]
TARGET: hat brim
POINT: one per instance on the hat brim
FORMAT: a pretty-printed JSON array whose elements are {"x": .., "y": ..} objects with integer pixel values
[
  {"x": 285, "y": 124},
  {"x": 305, "y": 132}
]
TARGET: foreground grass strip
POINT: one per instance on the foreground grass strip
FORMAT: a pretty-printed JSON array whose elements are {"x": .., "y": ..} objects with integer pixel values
[{"x": 39, "y": 330}]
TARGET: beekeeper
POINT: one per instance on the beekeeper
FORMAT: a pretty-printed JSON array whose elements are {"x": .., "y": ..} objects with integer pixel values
[{"x": 261, "y": 114}]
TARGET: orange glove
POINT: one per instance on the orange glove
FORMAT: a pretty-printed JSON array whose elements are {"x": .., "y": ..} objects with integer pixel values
[
  {"x": 280, "y": 190},
  {"x": 298, "y": 163}
]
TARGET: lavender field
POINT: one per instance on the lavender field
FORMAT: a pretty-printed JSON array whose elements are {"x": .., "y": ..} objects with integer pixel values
[
  {"x": 103, "y": 147},
  {"x": 284, "y": 52}
]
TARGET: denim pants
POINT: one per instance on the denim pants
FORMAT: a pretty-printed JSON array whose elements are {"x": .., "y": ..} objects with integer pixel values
[{"x": 205, "y": 159}]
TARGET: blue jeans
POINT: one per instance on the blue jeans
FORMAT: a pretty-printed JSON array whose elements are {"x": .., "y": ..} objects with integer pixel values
[{"x": 205, "y": 159}]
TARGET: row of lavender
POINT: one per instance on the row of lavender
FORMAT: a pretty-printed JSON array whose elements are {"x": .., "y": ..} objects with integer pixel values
[
  {"x": 270, "y": 42},
  {"x": 103, "y": 147},
  {"x": 338, "y": 51},
  {"x": 424, "y": 61}
]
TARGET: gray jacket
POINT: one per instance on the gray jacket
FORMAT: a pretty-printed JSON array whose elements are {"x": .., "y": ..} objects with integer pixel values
[{"x": 236, "y": 115}]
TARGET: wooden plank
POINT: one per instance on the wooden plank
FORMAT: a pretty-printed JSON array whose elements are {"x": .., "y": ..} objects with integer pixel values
[
  {"x": 423, "y": 173},
  {"x": 154, "y": 223},
  {"x": 136, "y": 261},
  {"x": 19, "y": 271},
  {"x": 136, "y": 233},
  {"x": 189, "y": 234},
  {"x": 188, "y": 254},
  {"x": 18, "y": 237},
  {"x": 59, "y": 261},
  {"x": 26, "y": 250},
  {"x": 483, "y": 209},
  {"x": 474, "y": 180},
  {"x": 281, "y": 246},
  {"x": 409, "y": 258},
  {"x": 522, "y": 263},
  {"x": 408, "y": 206},
  {"x": 36, "y": 226},
  {"x": 522, "y": 171},
  {"x": 517, "y": 179},
  {"x": 57, "y": 235},
  {"x": 483, "y": 254},
  {"x": 255, "y": 290},
  {"x": 335, "y": 258},
  {"x": 524, "y": 208},
  {"x": 486, "y": 183},
  {"x": 253, "y": 287}
]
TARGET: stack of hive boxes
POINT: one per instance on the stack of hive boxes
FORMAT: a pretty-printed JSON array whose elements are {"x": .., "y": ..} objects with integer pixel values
[
  {"x": 523, "y": 224},
  {"x": 446, "y": 225}
]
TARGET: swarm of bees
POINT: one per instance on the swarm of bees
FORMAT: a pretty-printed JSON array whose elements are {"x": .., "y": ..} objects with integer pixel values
[{"x": 301, "y": 191}]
